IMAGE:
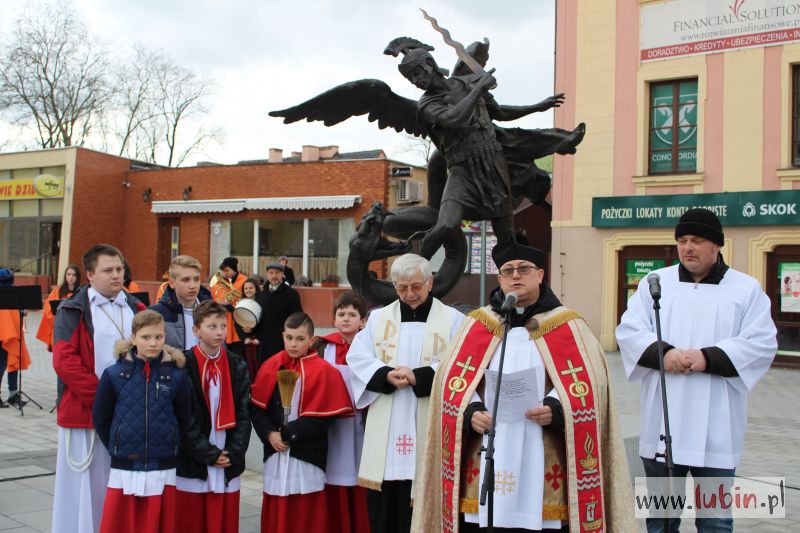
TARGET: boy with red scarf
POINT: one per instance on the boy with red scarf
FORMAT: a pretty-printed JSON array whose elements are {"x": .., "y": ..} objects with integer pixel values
[
  {"x": 213, "y": 450},
  {"x": 347, "y": 502},
  {"x": 296, "y": 452}
]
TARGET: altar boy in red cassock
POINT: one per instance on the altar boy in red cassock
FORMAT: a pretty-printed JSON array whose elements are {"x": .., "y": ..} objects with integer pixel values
[
  {"x": 347, "y": 502},
  {"x": 213, "y": 451},
  {"x": 295, "y": 436}
]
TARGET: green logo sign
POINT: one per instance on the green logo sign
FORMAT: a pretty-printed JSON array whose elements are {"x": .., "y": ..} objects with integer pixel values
[
  {"x": 642, "y": 267},
  {"x": 759, "y": 208}
]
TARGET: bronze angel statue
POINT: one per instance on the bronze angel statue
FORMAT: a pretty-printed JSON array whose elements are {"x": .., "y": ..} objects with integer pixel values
[{"x": 479, "y": 170}]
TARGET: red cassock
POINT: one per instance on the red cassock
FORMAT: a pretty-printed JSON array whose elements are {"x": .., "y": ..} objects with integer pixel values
[
  {"x": 139, "y": 514},
  {"x": 208, "y": 511},
  {"x": 322, "y": 394}
]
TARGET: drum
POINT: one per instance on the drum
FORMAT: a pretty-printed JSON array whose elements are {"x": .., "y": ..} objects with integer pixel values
[{"x": 247, "y": 313}]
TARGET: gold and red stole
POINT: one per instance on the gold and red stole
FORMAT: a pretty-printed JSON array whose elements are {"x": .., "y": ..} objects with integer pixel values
[{"x": 575, "y": 456}]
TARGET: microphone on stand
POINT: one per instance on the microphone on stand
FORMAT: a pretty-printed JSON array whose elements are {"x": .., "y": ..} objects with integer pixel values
[
  {"x": 655, "y": 285},
  {"x": 510, "y": 302}
]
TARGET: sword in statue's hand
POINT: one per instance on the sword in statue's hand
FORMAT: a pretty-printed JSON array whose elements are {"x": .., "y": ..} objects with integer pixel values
[{"x": 461, "y": 52}]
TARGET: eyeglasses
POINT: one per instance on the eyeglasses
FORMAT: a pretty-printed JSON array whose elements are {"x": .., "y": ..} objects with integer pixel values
[
  {"x": 523, "y": 270},
  {"x": 402, "y": 289}
]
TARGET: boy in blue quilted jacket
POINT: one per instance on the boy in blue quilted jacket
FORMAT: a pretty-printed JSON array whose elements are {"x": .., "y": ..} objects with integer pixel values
[{"x": 142, "y": 407}]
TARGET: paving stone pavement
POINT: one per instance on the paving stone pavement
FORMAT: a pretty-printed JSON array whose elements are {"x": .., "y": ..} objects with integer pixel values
[{"x": 28, "y": 446}]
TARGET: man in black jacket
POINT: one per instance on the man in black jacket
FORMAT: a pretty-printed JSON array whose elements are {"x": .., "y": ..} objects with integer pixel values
[{"x": 278, "y": 300}]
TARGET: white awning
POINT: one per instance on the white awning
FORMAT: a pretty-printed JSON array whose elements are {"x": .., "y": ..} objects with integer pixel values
[
  {"x": 198, "y": 206},
  {"x": 303, "y": 202},
  {"x": 296, "y": 203}
]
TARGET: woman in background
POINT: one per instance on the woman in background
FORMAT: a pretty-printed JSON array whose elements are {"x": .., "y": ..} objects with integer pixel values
[{"x": 72, "y": 280}]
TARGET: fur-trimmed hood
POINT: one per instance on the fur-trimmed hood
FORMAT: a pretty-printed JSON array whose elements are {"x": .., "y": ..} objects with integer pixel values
[{"x": 124, "y": 349}]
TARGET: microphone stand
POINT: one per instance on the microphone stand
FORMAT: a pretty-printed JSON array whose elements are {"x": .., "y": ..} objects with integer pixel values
[
  {"x": 487, "y": 487},
  {"x": 667, "y": 436}
]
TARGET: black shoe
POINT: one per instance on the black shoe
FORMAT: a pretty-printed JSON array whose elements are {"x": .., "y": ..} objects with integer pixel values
[
  {"x": 16, "y": 400},
  {"x": 4, "y": 405}
]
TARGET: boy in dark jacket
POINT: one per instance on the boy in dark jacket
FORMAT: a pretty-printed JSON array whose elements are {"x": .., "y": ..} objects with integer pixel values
[
  {"x": 141, "y": 408},
  {"x": 296, "y": 442},
  {"x": 177, "y": 304},
  {"x": 213, "y": 454}
]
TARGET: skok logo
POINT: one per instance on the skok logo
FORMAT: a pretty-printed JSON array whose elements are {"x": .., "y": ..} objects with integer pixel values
[{"x": 749, "y": 210}]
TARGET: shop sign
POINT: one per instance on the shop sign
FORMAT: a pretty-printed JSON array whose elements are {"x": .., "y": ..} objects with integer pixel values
[
  {"x": 758, "y": 208},
  {"x": 42, "y": 186},
  {"x": 641, "y": 267},
  {"x": 693, "y": 27}
]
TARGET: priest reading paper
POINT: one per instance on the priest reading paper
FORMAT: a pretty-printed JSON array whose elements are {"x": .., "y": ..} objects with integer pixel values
[
  {"x": 393, "y": 360},
  {"x": 560, "y": 462},
  {"x": 718, "y": 341}
]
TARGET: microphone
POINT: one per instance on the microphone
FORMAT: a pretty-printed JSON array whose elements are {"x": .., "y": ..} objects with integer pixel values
[
  {"x": 510, "y": 302},
  {"x": 655, "y": 286}
]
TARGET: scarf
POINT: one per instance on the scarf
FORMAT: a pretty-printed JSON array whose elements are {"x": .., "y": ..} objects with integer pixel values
[
  {"x": 216, "y": 370},
  {"x": 342, "y": 346}
]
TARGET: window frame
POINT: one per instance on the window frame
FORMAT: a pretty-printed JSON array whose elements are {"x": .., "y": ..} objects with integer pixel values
[{"x": 675, "y": 149}]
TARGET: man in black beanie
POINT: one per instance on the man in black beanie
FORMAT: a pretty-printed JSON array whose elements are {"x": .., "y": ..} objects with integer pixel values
[{"x": 718, "y": 341}]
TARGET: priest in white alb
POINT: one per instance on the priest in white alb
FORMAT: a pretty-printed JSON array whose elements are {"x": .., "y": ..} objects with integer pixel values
[
  {"x": 559, "y": 456},
  {"x": 393, "y": 360},
  {"x": 718, "y": 340}
]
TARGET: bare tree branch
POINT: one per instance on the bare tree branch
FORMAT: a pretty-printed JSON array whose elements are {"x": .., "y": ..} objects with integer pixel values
[
  {"x": 53, "y": 76},
  {"x": 57, "y": 81}
]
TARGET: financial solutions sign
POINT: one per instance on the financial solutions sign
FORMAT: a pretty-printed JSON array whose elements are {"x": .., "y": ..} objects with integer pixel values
[
  {"x": 691, "y": 27},
  {"x": 758, "y": 208}
]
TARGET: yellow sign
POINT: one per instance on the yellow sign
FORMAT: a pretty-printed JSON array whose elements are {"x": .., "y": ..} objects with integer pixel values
[{"x": 42, "y": 186}]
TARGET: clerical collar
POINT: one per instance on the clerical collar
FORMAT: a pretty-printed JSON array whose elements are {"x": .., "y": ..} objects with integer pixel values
[
  {"x": 547, "y": 301},
  {"x": 420, "y": 314},
  {"x": 714, "y": 276}
]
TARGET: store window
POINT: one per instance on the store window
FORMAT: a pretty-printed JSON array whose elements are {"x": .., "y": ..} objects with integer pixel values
[
  {"x": 327, "y": 247},
  {"x": 31, "y": 205},
  {"x": 783, "y": 287},
  {"x": 673, "y": 127},
  {"x": 796, "y": 115},
  {"x": 635, "y": 263}
]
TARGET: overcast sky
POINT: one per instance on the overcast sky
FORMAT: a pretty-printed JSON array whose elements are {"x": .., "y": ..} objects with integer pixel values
[{"x": 266, "y": 55}]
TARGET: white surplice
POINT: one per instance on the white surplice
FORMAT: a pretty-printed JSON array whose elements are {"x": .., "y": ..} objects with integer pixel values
[
  {"x": 80, "y": 494},
  {"x": 401, "y": 446},
  {"x": 285, "y": 475},
  {"x": 707, "y": 413},
  {"x": 215, "y": 482},
  {"x": 345, "y": 436},
  {"x": 519, "y": 448}
]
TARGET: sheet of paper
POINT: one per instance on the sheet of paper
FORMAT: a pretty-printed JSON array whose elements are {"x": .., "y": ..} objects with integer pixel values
[{"x": 519, "y": 392}]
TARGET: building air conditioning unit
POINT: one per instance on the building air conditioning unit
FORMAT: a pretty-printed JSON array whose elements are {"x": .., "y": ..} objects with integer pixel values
[{"x": 409, "y": 191}]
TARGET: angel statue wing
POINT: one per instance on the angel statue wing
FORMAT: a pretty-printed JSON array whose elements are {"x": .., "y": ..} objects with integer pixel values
[{"x": 362, "y": 97}]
